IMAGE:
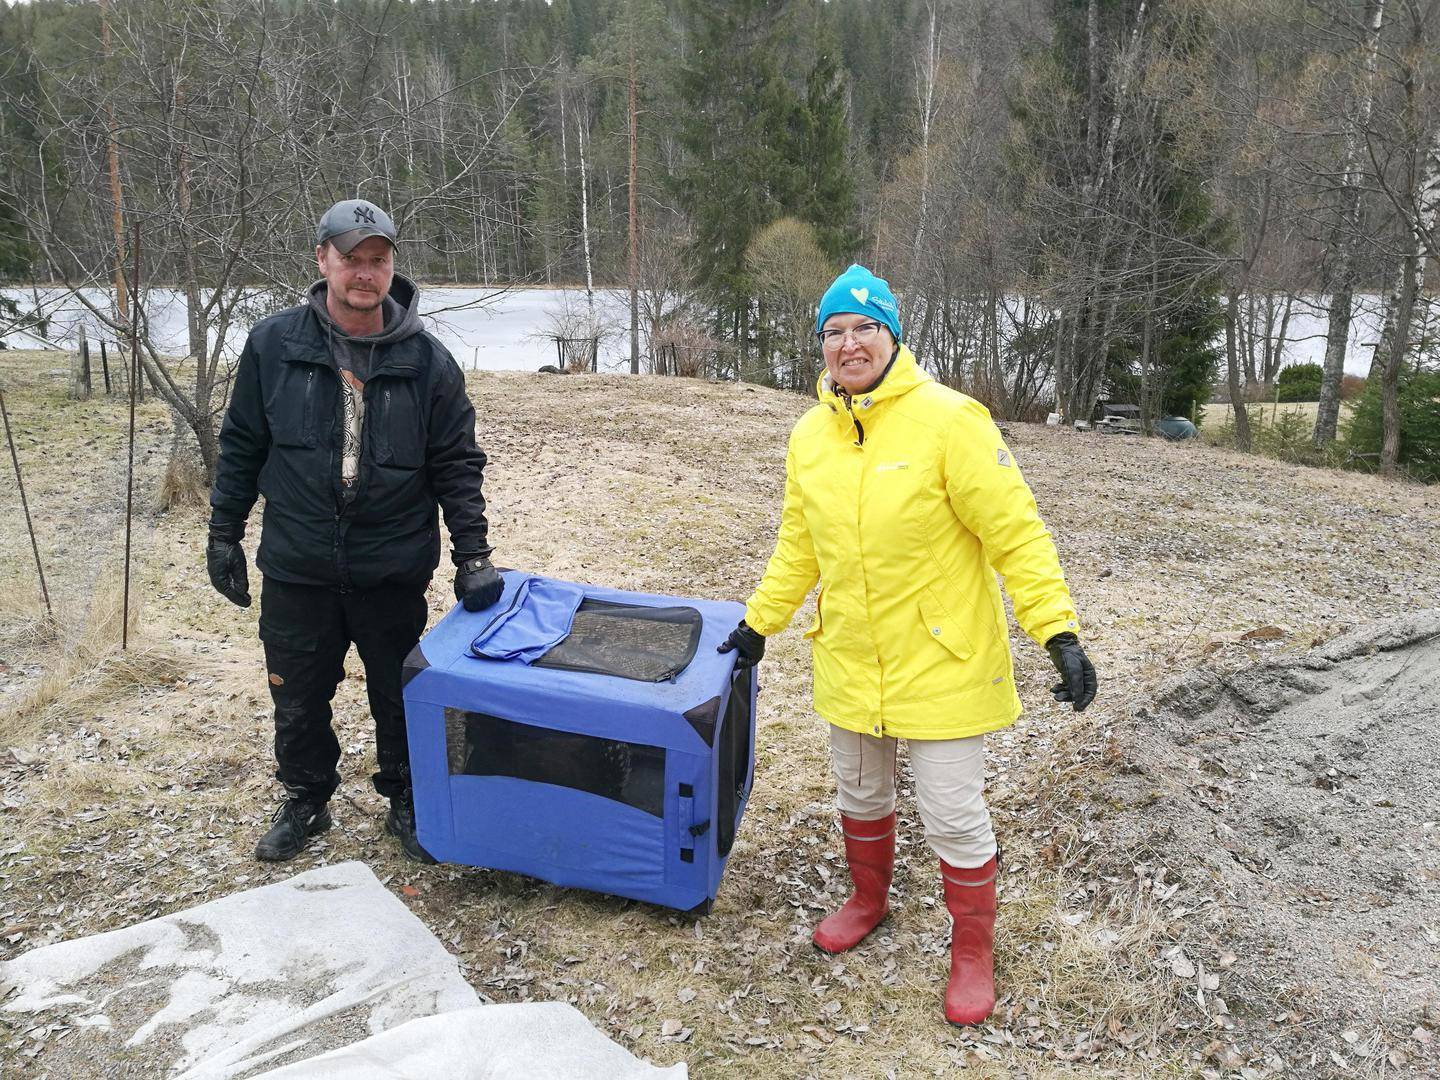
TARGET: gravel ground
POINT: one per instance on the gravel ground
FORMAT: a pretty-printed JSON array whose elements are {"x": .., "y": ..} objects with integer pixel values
[{"x": 1292, "y": 807}]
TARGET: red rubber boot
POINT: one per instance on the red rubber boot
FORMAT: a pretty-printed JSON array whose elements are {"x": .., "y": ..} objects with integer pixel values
[
  {"x": 970, "y": 899},
  {"x": 870, "y": 851}
]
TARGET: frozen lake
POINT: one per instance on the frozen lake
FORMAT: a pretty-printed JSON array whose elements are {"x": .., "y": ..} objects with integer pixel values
[
  {"x": 484, "y": 330},
  {"x": 487, "y": 331}
]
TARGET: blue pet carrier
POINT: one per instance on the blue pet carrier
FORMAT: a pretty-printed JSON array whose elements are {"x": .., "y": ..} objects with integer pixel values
[{"x": 586, "y": 736}]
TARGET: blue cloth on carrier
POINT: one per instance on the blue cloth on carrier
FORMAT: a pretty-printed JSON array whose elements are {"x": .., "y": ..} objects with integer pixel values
[{"x": 536, "y": 619}]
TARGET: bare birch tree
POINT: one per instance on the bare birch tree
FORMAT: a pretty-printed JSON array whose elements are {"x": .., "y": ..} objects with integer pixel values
[{"x": 1347, "y": 229}]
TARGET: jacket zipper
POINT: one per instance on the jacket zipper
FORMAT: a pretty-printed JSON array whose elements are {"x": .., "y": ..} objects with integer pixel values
[
  {"x": 342, "y": 510},
  {"x": 875, "y": 729},
  {"x": 859, "y": 427},
  {"x": 308, "y": 413}
]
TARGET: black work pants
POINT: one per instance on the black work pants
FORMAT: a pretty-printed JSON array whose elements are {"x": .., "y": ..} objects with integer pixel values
[{"x": 307, "y": 630}]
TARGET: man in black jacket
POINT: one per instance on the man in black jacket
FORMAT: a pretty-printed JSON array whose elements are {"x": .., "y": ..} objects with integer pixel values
[{"x": 354, "y": 424}]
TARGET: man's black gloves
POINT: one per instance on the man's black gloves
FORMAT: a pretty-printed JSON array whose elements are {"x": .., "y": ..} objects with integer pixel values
[
  {"x": 749, "y": 644},
  {"x": 225, "y": 561},
  {"x": 477, "y": 583},
  {"x": 1075, "y": 668}
]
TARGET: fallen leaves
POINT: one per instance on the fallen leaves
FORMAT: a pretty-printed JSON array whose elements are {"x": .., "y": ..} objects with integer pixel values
[
  {"x": 1180, "y": 964},
  {"x": 1265, "y": 633}
]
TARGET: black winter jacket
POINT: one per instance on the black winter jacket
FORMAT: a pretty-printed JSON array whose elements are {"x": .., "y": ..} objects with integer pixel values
[{"x": 282, "y": 438}]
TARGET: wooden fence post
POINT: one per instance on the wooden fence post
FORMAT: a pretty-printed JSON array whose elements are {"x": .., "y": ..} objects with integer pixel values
[{"x": 80, "y": 370}]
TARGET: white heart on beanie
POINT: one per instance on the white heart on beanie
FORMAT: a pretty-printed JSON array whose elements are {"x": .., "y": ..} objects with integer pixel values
[{"x": 860, "y": 295}]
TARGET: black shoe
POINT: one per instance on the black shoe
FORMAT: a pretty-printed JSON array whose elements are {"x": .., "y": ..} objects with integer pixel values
[
  {"x": 400, "y": 823},
  {"x": 295, "y": 822}
]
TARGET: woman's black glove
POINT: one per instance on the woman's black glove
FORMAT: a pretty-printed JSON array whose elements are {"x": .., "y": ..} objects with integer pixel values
[
  {"x": 225, "y": 562},
  {"x": 749, "y": 644},
  {"x": 477, "y": 583},
  {"x": 1075, "y": 668}
]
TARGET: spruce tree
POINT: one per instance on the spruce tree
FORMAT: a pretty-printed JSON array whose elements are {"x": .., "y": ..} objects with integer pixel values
[
  {"x": 828, "y": 202},
  {"x": 738, "y": 134}
]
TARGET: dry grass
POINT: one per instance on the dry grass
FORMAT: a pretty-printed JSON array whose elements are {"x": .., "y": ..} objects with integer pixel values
[
  {"x": 184, "y": 485},
  {"x": 30, "y": 628},
  {"x": 84, "y": 664},
  {"x": 153, "y": 780},
  {"x": 1268, "y": 413}
]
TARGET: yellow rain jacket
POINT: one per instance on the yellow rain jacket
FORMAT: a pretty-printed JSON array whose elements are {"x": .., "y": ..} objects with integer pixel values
[{"x": 899, "y": 502}]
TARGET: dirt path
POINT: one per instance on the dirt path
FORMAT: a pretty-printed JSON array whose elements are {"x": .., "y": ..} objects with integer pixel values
[{"x": 139, "y": 787}]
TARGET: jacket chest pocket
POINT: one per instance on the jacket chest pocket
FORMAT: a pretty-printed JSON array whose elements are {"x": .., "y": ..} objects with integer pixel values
[
  {"x": 397, "y": 424},
  {"x": 290, "y": 409}
]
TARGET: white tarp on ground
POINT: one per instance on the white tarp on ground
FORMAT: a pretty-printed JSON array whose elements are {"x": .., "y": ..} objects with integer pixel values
[
  {"x": 550, "y": 1041},
  {"x": 282, "y": 975}
]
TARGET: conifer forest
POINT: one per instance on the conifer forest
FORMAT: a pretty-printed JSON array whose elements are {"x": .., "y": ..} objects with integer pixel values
[{"x": 1074, "y": 199}]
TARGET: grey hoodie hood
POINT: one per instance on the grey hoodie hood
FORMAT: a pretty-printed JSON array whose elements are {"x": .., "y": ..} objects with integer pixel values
[{"x": 401, "y": 308}]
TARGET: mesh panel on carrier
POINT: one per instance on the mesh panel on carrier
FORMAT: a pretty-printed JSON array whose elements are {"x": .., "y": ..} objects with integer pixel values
[
  {"x": 650, "y": 644},
  {"x": 481, "y": 745}
]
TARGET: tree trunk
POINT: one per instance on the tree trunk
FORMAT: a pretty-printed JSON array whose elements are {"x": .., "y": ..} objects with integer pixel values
[
  {"x": 1147, "y": 336},
  {"x": 1248, "y": 336},
  {"x": 1391, "y": 352},
  {"x": 1092, "y": 85},
  {"x": 926, "y": 92},
  {"x": 585, "y": 219},
  {"x": 1232, "y": 373},
  {"x": 1346, "y": 238},
  {"x": 1127, "y": 60},
  {"x": 1277, "y": 357},
  {"x": 927, "y": 329},
  {"x": 997, "y": 368},
  {"x": 634, "y": 226},
  {"x": 117, "y": 199},
  {"x": 1067, "y": 338},
  {"x": 1337, "y": 336}
]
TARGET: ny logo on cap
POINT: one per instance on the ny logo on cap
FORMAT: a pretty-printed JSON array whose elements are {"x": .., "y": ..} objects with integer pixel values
[{"x": 365, "y": 214}]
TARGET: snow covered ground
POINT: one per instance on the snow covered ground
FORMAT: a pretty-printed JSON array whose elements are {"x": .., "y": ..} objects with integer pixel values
[{"x": 490, "y": 331}]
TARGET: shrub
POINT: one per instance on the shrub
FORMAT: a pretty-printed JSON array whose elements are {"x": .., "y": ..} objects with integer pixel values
[
  {"x": 684, "y": 347},
  {"x": 1300, "y": 382},
  {"x": 1351, "y": 387},
  {"x": 1288, "y": 438},
  {"x": 1419, "y": 425}
]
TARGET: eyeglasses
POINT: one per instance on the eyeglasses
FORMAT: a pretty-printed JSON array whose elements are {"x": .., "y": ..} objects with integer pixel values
[{"x": 864, "y": 334}]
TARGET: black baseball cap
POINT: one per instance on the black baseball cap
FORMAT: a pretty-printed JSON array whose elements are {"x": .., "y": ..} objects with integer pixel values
[{"x": 348, "y": 222}]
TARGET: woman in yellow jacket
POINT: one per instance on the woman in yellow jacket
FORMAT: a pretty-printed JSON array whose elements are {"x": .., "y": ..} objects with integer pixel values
[{"x": 903, "y": 502}]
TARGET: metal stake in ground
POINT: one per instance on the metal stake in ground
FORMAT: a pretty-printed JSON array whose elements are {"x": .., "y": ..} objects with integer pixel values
[
  {"x": 29, "y": 526},
  {"x": 130, "y": 468}
]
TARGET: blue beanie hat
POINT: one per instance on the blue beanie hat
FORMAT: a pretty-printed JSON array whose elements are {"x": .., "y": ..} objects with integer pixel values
[{"x": 857, "y": 291}]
